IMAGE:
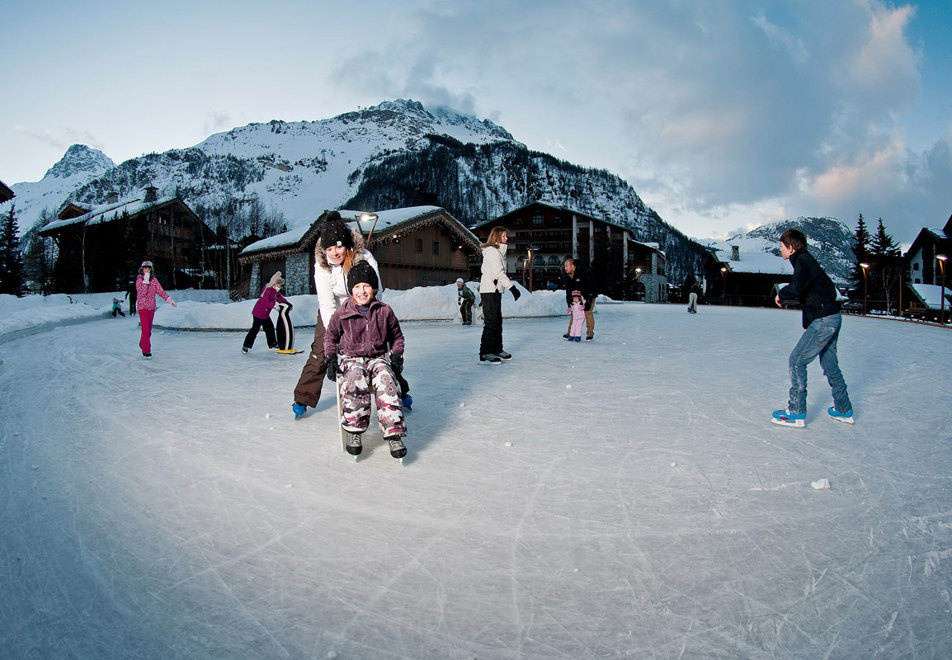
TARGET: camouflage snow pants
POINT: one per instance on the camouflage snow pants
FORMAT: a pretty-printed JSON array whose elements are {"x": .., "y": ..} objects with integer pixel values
[{"x": 358, "y": 377}]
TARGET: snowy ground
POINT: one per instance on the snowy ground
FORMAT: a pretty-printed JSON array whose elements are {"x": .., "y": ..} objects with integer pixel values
[{"x": 621, "y": 498}]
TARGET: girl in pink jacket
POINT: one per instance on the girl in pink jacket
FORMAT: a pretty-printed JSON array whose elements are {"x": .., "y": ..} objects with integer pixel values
[
  {"x": 261, "y": 314},
  {"x": 147, "y": 288},
  {"x": 577, "y": 310}
]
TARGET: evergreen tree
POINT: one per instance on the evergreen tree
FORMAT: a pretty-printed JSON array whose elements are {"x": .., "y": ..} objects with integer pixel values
[
  {"x": 883, "y": 244},
  {"x": 861, "y": 243},
  {"x": 11, "y": 261}
]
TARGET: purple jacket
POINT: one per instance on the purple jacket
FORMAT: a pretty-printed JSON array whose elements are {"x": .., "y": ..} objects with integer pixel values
[
  {"x": 349, "y": 333},
  {"x": 269, "y": 296}
]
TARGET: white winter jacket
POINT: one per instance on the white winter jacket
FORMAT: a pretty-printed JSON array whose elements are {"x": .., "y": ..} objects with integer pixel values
[
  {"x": 494, "y": 279},
  {"x": 330, "y": 281}
]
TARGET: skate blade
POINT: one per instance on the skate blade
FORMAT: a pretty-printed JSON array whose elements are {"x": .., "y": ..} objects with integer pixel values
[
  {"x": 795, "y": 423},
  {"x": 845, "y": 420}
]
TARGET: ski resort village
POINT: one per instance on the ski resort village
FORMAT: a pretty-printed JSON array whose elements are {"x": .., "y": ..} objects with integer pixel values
[{"x": 211, "y": 356}]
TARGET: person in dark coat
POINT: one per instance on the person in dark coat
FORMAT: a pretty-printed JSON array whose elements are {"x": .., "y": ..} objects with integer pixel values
[
  {"x": 821, "y": 320},
  {"x": 579, "y": 278}
]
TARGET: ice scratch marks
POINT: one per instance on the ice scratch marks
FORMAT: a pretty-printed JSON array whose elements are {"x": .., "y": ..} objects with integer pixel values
[
  {"x": 761, "y": 489},
  {"x": 933, "y": 559}
]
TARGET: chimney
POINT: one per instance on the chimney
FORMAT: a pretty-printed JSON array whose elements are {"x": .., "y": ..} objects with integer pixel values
[
  {"x": 112, "y": 197},
  {"x": 150, "y": 195},
  {"x": 735, "y": 253}
]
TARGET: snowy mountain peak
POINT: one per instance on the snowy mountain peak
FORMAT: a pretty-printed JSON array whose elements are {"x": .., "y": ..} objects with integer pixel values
[{"x": 80, "y": 159}]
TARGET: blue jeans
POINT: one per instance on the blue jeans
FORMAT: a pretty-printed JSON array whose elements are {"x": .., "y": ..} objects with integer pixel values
[{"x": 818, "y": 339}]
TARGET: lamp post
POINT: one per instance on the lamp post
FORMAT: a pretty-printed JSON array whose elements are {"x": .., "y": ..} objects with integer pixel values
[
  {"x": 724, "y": 283},
  {"x": 530, "y": 269},
  {"x": 637, "y": 280},
  {"x": 367, "y": 217},
  {"x": 864, "y": 266},
  {"x": 941, "y": 258}
]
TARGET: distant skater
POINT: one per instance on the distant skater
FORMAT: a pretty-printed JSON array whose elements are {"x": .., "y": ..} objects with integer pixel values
[
  {"x": 491, "y": 285},
  {"x": 577, "y": 311},
  {"x": 466, "y": 299},
  {"x": 821, "y": 322},
  {"x": 117, "y": 308},
  {"x": 147, "y": 288},
  {"x": 261, "y": 314}
]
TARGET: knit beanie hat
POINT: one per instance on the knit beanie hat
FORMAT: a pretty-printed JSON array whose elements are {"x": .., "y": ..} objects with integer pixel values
[
  {"x": 577, "y": 293},
  {"x": 145, "y": 264},
  {"x": 459, "y": 280},
  {"x": 336, "y": 232},
  {"x": 362, "y": 272},
  {"x": 276, "y": 279}
]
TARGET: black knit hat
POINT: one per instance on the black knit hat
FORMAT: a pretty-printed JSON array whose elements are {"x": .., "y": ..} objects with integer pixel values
[
  {"x": 336, "y": 232},
  {"x": 362, "y": 272}
]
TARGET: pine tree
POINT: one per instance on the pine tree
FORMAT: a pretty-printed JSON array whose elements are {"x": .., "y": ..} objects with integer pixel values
[
  {"x": 861, "y": 243},
  {"x": 883, "y": 244},
  {"x": 11, "y": 261}
]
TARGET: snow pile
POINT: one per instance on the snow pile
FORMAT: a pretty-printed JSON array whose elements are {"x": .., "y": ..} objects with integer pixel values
[{"x": 212, "y": 310}]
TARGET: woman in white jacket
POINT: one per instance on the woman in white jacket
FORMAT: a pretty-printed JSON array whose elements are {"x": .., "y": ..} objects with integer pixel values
[
  {"x": 491, "y": 285},
  {"x": 338, "y": 249}
]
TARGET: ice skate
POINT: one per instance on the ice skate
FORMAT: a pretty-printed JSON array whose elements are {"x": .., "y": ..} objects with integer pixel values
[
  {"x": 845, "y": 417},
  {"x": 786, "y": 418},
  {"x": 354, "y": 445},
  {"x": 397, "y": 448}
]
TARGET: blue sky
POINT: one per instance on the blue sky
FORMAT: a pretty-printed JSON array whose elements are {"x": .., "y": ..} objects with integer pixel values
[{"x": 722, "y": 115}]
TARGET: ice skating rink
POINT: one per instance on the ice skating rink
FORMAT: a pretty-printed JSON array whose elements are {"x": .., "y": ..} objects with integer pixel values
[{"x": 626, "y": 497}]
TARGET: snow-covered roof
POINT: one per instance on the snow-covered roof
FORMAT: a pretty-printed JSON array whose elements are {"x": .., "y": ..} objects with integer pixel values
[
  {"x": 385, "y": 220},
  {"x": 108, "y": 212},
  {"x": 931, "y": 295},
  {"x": 753, "y": 258}
]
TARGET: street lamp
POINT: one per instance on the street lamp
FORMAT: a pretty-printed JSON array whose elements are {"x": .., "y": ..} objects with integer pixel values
[
  {"x": 530, "y": 269},
  {"x": 637, "y": 280},
  {"x": 864, "y": 266},
  {"x": 941, "y": 259},
  {"x": 367, "y": 217},
  {"x": 724, "y": 283}
]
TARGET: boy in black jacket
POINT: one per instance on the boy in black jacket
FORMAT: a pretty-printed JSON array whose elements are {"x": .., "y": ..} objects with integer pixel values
[{"x": 821, "y": 323}]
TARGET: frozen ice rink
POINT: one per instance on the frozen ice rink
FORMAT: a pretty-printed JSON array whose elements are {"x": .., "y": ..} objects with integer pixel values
[{"x": 626, "y": 497}]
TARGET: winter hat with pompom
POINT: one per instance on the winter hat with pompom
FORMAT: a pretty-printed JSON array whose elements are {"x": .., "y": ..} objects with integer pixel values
[
  {"x": 362, "y": 272},
  {"x": 336, "y": 232}
]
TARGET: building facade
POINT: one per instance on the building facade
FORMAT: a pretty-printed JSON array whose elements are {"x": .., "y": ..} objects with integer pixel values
[{"x": 542, "y": 237}]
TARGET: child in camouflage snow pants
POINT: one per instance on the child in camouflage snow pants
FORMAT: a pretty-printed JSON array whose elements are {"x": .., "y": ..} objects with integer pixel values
[{"x": 355, "y": 351}]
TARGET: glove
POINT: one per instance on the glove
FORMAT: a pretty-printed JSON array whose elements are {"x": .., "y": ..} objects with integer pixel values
[
  {"x": 515, "y": 292},
  {"x": 396, "y": 362},
  {"x": 332, "y": 367}
]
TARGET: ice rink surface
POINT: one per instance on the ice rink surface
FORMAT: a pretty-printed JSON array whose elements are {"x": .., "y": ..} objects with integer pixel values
[{"x": 626, "y": 497}]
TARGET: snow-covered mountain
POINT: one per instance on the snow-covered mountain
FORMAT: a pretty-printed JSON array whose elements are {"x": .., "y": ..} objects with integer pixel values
[
  {"x": 78, "y": 166},
  {"x": 828, "y": 239},
  {"x": 396, "y": 154}
]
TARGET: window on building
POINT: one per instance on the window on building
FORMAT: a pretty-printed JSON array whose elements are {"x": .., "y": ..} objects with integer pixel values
[
  {"x": 538, "y": 260},
  {"x": 436, "y": 247},
  {"x": 915, "y": 266},
  {"x": 419, "y": 246},
  {"x": 538, "y": 219}
]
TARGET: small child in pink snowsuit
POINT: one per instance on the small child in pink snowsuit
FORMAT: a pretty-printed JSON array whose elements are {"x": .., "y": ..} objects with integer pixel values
[{"x": 577, "y": 310}]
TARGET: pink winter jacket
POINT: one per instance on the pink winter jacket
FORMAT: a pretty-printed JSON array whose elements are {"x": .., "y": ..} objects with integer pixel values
[
  {"x": 146, "y": 293},
  {"x": 269, "y": 296}
]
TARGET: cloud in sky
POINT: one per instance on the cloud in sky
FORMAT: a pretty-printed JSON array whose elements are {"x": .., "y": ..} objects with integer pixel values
[{"x": 721, "y": 115}]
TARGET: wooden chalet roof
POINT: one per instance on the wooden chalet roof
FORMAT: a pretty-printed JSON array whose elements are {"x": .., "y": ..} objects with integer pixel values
[
  {"x": 5, "y": 192},
  {"x": 501, "y": 220},
  {"x": 391, "y": 224},
  {"x": 127, "y": 208}
]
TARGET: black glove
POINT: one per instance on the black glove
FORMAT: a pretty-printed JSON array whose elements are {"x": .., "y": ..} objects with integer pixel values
[
  {"x": 515, "y": 292},
  {"x": 396, "y": 362},
  {"x": 332, "y": 367}
]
